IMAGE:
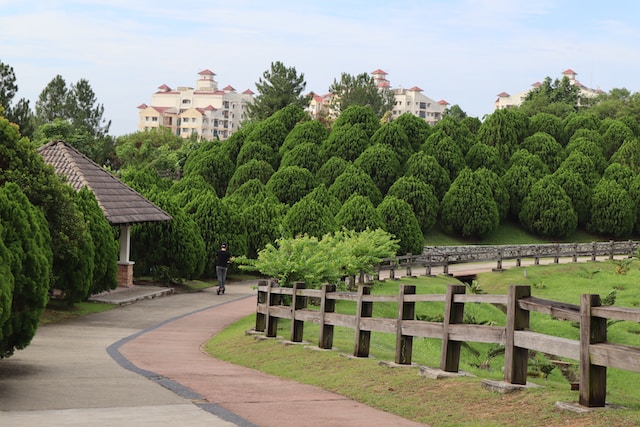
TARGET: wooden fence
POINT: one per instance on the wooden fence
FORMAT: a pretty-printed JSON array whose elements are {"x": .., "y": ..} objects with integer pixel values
[
  {"x": 445, "y": 256},
  {"x": 592, "y": 351}
]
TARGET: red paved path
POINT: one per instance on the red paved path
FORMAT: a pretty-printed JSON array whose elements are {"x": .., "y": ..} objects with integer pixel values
[{"x": 174, "y": 351}]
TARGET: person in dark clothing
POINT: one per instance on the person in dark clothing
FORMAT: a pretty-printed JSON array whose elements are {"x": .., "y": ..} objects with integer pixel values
[{"x": 223, "y": 259}]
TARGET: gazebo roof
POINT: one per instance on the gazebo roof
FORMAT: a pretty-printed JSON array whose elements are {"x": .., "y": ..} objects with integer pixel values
[{"x": 119, "y": 203}]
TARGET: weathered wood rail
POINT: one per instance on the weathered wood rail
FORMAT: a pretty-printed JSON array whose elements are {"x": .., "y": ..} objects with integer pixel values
[
  {"x": 445, "y": 256},
  {"x": 593, "y": 352}
]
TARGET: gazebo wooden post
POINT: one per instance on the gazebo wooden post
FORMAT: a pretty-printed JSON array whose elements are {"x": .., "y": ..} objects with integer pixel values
[{"x": 125, "y": 266}]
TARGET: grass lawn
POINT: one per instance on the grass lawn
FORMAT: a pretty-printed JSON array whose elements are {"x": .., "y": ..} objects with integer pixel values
[
  {"x": 459, "y": 401},
  {"x": 57, "y": 311},
  {"x": 508, "y": 233}
]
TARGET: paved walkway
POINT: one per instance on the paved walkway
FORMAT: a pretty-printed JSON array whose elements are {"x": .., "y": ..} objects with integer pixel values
[{"x": 142, "y": 365}]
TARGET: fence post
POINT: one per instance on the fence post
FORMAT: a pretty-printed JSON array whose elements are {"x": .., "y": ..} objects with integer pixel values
[
  {"x": 453, "y": 313},
  {"x": 519, "y": 259},
  {"x": 593, "y": 330},
  {"x": 556, "y": 259},
  {"x": 406, "y": 311},
  {"x": 392, "y": 269},
  {"x": 575, "y": 252},
  {"x": 297, "y": 302},
  {"x": 364, "y": 309},
  {"x": 428, "y": 267},
  {"x": 446, "y": 264},
  {"x": 611, "y": 249},
  {"x": 409, "y": 262},
  {"x": 262, "y": 299},
  {"x": 593, "y": 254},
  {"x": 271, "y": 322},
  {"x": 325, "y": 340},
  {"x": 499, "y": 264},
  {"x": 515, "y": 358}
]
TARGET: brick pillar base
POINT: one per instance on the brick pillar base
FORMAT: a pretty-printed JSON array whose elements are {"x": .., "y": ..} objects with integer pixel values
[{"x": 125, "y": 274}]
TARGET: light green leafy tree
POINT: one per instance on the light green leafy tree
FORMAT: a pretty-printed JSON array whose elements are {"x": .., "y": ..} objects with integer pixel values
[
  {"x": 299, "y": 259},
  {"x": 316, "y": 261},
  {"x": 361, "y": 250}
]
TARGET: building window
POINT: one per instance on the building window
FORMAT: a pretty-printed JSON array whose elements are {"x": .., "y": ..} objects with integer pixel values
[
  {"x": 154, "y": 119},
  {"x": 186, "y": 101},
  {"x": 423, "y": 105}
]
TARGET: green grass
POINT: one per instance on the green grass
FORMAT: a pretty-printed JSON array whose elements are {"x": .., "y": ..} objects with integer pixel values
[
  {"x": 508, "y": 233},
  {"x": 459, "y": 401},
  {"x": 57, "y": 311}
]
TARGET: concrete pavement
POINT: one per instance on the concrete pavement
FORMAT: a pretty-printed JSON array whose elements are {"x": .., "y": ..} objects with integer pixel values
[{"x": 142, "y": 365}]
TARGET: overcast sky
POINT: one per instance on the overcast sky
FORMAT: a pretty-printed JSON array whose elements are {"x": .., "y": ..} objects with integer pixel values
[{"x": 462, "y": 51}]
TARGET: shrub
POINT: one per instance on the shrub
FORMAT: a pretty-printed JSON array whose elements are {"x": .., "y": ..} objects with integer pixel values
[
  {"x": 355, "y": 181},
  {"x": 421, "y": 198},
  {"x": 612, "y": 210},
  {"x": 381, "y": 163},
  {"x": 358, "y": 213},
  {"x": 548, "y": 211},
  {"x": 291, "y": 183},
  {"x": 400, "y": 222},
  {"x": 468, "y": 208}
]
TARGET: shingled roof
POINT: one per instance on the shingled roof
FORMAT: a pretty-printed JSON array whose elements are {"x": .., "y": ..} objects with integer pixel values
[{"x": 120, "y": 203}]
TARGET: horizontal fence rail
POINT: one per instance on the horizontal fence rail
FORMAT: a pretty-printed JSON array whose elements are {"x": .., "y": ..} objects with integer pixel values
[
  {"x": 445, "y": 256},
  {"x": 592, "y": 351}
]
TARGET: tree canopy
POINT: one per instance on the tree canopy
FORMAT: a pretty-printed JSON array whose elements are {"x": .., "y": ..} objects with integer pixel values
[
  {"x": 279, "y": 87},
  {"x": 360, "y": 90},
  {"x": 18, "y": 112}
]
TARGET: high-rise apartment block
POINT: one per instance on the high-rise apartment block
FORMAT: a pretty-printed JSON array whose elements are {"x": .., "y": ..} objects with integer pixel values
[{"x": 205, "y": 110}]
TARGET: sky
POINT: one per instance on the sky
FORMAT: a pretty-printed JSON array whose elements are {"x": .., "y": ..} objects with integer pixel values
[{"x": 463, "y": 51}]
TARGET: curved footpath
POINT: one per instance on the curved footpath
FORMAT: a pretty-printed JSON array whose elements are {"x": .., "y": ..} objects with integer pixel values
[{"x": 142, "y": 365}]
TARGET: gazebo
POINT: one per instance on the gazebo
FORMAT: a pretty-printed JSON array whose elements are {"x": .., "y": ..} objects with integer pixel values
[{"x": 122, "y": 206}]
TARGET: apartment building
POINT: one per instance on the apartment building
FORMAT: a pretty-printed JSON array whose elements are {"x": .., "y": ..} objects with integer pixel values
[
  {"x": 505, "y": 100},
  {"x": 411, "y": 101},
  {"x": 206, "y": 110}
]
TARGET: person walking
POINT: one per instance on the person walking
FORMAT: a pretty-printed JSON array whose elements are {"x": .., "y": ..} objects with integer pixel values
[{"x": 223, "y": 259}]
